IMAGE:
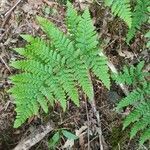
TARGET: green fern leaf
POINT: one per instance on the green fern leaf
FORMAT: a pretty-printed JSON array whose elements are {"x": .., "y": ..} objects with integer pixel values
[
  {"x": 133, "y": 97},
  {"x": 145, "y": 136},
  {"x": 100, "y": 69},
  {"x": 72, "y": 19},
  {"x": 140, "y": 125},
  {"x": 87, "y": 43},
  {"x": 138, "y": 99},
  {"x": 86, "y": 37},
  {"x": 131, "y": 75},
  {"x": 121, "y": 8},
  {"x": 52, "y": 70},
  {"x": 83, "y": 78},
  {"x": 67, "y": 80},
  {"x": 43, "y": 103},
  {"x": 139, "y": 17}
]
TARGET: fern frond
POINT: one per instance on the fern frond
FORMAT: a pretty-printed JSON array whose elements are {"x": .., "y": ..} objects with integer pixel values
[
  {"x": 57, "y": 90},
  {"x": 32, "y": 66},
  {"x": 47, "y": 92},
  {"x": 140, "y": 15},
  {"x": 63, "y": 44},
  {"x": 126, "y": 76},
  {"x": 25, "y": 109},
  {"x": 129, "y": 75},
  {"x": 72, "y": 19},
  {"x": 145, "y": 136},
  {"x": 133, "y": 97},
  {"x": 39, "y": 50},
  {"x": 83, "y": 78},
  {"x": 86, "y": 37},
  {"x": 141, "y": 110},
  {"x": 138, "y": 99},
  {"x": 140, "y": 125},
  {"x": 121, "y": 8},
  {"x": 52, "y": 70},
  {"x": 100, "y": 69},
  {"x": 87, "y": 43},
  {"x": 43, "y": 103},
  {"x": 66, "y": 78}
]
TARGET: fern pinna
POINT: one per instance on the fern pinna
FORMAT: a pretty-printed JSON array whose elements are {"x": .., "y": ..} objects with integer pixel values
[
  {"x": 139, "y": 16},
  {"x": 52, "y": 69},
  {"x": 134, "y": 19},
  {"x": 122, "y": 9},
  {"x": 138, "y": 99}
]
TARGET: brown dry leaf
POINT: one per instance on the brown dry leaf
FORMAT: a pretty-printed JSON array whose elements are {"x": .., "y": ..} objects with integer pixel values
[
  {"x": 35, "y": 3},
  {"x": 3, "y": 5},
  {"x": 126, "y": 54},
  {"x": 68, "y": 144},
  {"x": 84, "y": 3},
  {"x": 27, "y": 8},
  {"x": 35, "y": 25},
  {"x": 49, "y": 3},
  {"x": 80, "y": 133}
]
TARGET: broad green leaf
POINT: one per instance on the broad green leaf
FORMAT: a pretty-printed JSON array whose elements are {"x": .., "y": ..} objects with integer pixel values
[
  {"x": 54, "y": 140},
  {"x": 69, "y": 135}
]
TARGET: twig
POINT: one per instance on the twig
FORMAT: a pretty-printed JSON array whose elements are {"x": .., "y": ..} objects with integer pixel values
[
  {"x": 1, "y": 58},
  {"x": 88, "y": 120},
  {"x": 110, "y": 43},
  {"x": 8, "y": 13},
  {"x": 37, "y": 135},
  {"x": 93, "y": 104}
]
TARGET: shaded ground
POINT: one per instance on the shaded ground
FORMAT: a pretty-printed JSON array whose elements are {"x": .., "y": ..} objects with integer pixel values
[{"x": 112, "y": 31}]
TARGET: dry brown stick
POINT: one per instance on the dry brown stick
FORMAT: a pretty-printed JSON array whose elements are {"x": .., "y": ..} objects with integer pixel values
[
  {"x": 3, "y": 61},
  {"x": 37, "y": 135},
  {"x": 88, "y": 120},
  {"x": 93, "y": 104},
  {"x": 8, "y": 13},
  {"x": 12, "y": 8}
]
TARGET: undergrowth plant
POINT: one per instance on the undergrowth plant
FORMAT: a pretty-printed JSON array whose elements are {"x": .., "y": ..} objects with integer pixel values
[
  {"x": 53, "y": 69},
  {"x": 58, "y": 135},
  {"x": 121, "y": 8},
  {"x": 139, "y": 17},
  {"x": 138, "y": 99},
  {"x": 134, "y": 17}
]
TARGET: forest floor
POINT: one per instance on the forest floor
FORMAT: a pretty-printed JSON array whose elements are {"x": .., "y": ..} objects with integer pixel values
[{"x": 112, "y": 33}]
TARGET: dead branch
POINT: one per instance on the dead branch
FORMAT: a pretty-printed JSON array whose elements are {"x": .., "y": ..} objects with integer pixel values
[
  {"x": 14, "y": 6},
  {"x": 8, "y": 13},
  {"x": 101, "y": 139},
  {"x": 37, "y": 135}
]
